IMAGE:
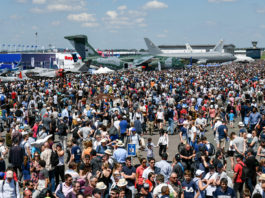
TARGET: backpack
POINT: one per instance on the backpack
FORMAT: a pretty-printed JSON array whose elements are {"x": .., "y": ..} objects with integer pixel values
[
  {"x": 59, "y": 193},
  {"x": 166, "y": 115},
  {"x": 244, "y": 172},
  {"x": 2, "y": 98},
  {"x": 181, "y": 166},
  {"x": 54, "y": 159},
  {"x": 3, "y": 183},
  {"x": 113, "y": 131},
  {"x": 211, "y": 149}
]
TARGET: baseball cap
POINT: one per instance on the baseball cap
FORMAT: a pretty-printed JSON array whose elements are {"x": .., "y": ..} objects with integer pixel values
[{"x": 199, "y": 172}]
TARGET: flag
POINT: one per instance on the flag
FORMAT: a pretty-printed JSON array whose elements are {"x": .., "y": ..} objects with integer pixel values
[{"x": 20, "y": 75}]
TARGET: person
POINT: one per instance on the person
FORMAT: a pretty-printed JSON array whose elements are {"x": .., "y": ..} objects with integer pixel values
[
  {"x": 59, "y": 168},
  {"x": 189, "y": 187},
  {"x": 224, "y": 191},
  {"x": 9, "y": 187},
  {"x": 43, "y": 177},
  {"x": 163, "y": 142},
  {"x": 158, "y": 189},
  {"x": 46, "y": 156},
  {"x": 237, "y": 178},
  {"x": 201, "y": 186},
  {"x": 66, "y": 187},
  {"x": 139, "y": 181},
  {"x": 123, "y": 126},
  {"x": 76, "y": 190},
  {"x": 129, "y": 173},
  {"x": 231, "y": 149},
  {"x": 178, "y": 168},
  {"x": 251, "y": 165},
  {"x": 122, "y": 184},
  {"x": 151, "y": 168},
  {"x": 151, "y": 181},
  {"x": 210, "y": 177},
  {"x": 90, "y": 186},
  {"x": 176, "y": 185},
  {"x": 120, "y": 154},
  {"x": 164, "y": 166},
  {"x": 15, "y": 158},
  {"x": 27, "y": 194},
  {"x": 222, "y": 135}
]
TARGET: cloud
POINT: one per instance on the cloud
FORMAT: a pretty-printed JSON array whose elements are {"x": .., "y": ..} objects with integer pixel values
[
  {"x": 210, "y": 23},
  {"x": 122, "y": 7},
  {"x": 37, "y": 10},
  {"x": 55, "y": 23},
  {"x": 262, "y": 26},
  {"x": 90, "y": 24},
  {"x": 15, "y": 17},
  {"x": 22, "y": 1},
  {"x": 131, "y": 18},
  {"x": 62, "y": 7},
  {"x": 155, "y": 5},
  {"x": 219, "y": 1},
  {"x": 34, "y": 27},
  {"x": 112, "y": 14},
  {"x": 38, "y": 1},
  {"x": 161, "y": 35},
  {"x": 261, "y": 10},
  {"x": 82, "y": 17}
]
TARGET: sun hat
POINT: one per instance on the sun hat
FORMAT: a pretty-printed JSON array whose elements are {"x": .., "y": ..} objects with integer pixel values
[{"x": 122, "y": 182}]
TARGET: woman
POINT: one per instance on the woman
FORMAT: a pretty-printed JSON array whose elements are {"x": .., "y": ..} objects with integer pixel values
[
  {"x": 59, "y": 169},
  {"x": 139, "y": 181},
  {"x": 87, "y": 149},
  {"x": 162, "y": 142},
  {"x": 105, "y": 175},
  {"x": 35, "y": 169},
  {"x": 26, "y": 169},
  {"x": 160, "y": 118},
  {"x": 151, "y": 181},
  {"x": 261, "y": 150},
  {"x": 212, "y": 114},
  {"x": 231, "y": 149}
]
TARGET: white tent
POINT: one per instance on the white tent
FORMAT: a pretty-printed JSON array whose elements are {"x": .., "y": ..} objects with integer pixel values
[{"x": 103, "y": 70}]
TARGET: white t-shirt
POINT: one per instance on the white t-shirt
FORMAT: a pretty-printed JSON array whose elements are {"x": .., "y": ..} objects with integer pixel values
[{"x": 157, "y": 190}]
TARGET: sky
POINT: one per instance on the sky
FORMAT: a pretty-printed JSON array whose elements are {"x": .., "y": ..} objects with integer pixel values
[{"x": 122, "y": 24}]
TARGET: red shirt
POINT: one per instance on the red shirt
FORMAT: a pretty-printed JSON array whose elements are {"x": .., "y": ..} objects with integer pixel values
[
  {"x": 140, "y": 171},
  {"x": 239, "y": 169},
  {"x": 13, "y": 95}
]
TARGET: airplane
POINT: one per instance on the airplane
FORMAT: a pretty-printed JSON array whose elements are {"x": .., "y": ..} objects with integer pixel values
[
  {"x": 92, "y": 58},
  {"x": 243, "y": 59},
  {"x": 200, "y": 58}
]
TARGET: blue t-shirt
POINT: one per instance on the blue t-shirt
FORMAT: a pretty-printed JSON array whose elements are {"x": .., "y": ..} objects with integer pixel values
[
  {"x": 221, "y": 131},
  {"x": 231, "y": 116},
  {"x": 228, "y": 193},
  {"x": 189, "y": 189},
  {"x": 76, "y": 151},
  {"x": 129, "y": 171},
  {"x": 184, "y": 132},
  {"x": 123, "y": 126}
]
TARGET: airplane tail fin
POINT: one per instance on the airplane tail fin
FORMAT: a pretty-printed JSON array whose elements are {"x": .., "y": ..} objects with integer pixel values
[
  {"x": 84, "y": 49},
  {"x": 153, "y": 49},
  {"x": 219, "y": 46},
  {"x": 188, "y": 47}
]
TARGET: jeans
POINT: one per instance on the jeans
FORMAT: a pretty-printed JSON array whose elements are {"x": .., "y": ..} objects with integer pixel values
[
  {"x": 52, "y": 180},
  {"x": 171, "y": 126},
  {"x": 251, "y": 184},
  {"x": 59, "y": 172},
  {"x": 238, "y": 187}
]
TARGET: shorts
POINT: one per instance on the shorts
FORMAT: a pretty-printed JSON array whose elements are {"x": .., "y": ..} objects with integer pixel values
[
  {"x": 222, "y": 143},
  {"x": 230, "y": 153},
  {"x": 159, "y": 120}
]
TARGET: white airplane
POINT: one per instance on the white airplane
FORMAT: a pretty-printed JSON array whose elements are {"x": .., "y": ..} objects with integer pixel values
[{"x": 243, "y": 59}]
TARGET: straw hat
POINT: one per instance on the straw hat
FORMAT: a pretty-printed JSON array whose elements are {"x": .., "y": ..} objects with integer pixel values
[
  {"x": 101, "y": 186},
  {"x": 108, "y": 151},
  {"x": 120, "y": 144},
  {"x": 122, "y": 182}
]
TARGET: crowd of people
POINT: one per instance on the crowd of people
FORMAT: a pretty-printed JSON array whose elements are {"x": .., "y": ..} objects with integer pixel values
[{"x": 68, "y": 137}]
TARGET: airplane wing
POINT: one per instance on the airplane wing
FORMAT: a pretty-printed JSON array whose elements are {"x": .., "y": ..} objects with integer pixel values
[
  {"x": 202, "y": 61},
  {"x": 142, "y": 60}
]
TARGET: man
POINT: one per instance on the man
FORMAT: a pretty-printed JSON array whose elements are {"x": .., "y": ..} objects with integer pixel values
[
  {"x": 187, "y": 154},
  {"x": 150, "y": 117},
  {"x": 222, "y": 135},
  {"x": 239, "y": 144},
  {"x": 27, "y": 194},
  {"x": 120, "y": 154},
  {"x": 170, "y": 116},
  {"x": 75, "y": 153},
  {"x": 129, "y": 173},
  {"x": 224, "y": 190},
  {"x": 123, "y": 126},
  {"x": 251, "y": 164},
  {"x": 16, "y": 155},
  {"x": 76, "y": 190},
  {"x": 237, "y": 178},
  {"x": 189, "y": 186},
  {"x": 85, "y": 166},
  {"x": 46, "y": 156},
  {"x": 210, "y": 176},
  {"x": 122, "y": 183},
  {"x": 218, "y": 123},
  {"x": 178, "y": 168},
  {"x": 66, "y": 187},
  {"x": 160, "y": 183},
  {"x": 91, "y": 186},
  {"x": 62, "y": 131},
  {"x": 150, "y": 168},
  {"x": 165, "y": 167},
  {"x": 85, "y": 131},
  {"x": 176, "y": 185},
  {"x": 95, "y": 162},
  {"x": 9, "y": 187},
  {"x": 254, "y": 119}
]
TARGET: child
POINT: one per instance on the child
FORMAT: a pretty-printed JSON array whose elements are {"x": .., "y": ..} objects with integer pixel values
[
  {"x": 165, "y": 192},
  {"x": 231, "y": 116},
  {"x": 189, "y": 186},
  {"x": 149, "y": 148}
]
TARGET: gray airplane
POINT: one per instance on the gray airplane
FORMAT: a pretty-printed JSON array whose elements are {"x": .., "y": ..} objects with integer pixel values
[{"x": 215, "y": 55}]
